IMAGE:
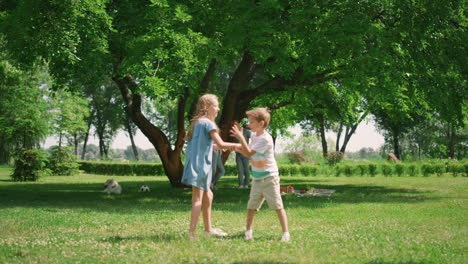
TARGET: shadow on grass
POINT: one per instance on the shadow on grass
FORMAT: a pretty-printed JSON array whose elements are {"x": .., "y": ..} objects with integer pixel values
[
  {"x": 401, "y": 262},
  {"x": 163, "y": 197},
  {"x": 153, "y": 237}
]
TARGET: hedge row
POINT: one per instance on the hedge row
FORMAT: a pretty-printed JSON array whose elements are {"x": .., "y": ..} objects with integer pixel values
[{"x": 354, "y": 169}]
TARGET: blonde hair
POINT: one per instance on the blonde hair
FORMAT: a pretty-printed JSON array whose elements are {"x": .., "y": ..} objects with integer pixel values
[
  {"x": 260, "y": 114},
  {"x": 201, "y": 111}
]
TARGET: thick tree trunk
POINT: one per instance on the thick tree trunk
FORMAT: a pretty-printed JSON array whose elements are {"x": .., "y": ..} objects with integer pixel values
[
  {"x": 349, "y": 132},
  {"x": 60, "y": 139},
  {"x": 4, "y": 153},
  {"x": 338, "y": 137},
  {"x": 323, "y": 135},
  {"x": 75, "y": 142},
  {"x": 235, "y": 103},
  {"x": 85, "y": 142},
  {"x": 451, "y": 153},
  {"x": 170, "y": 158},
  {"x": 102, "y": 151},
  {"x": 396, "y": 145},
  {"x": 132, "y": 141}
]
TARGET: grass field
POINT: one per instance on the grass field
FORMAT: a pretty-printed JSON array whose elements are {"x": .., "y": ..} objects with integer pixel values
[{"x": 368, "y": 220}]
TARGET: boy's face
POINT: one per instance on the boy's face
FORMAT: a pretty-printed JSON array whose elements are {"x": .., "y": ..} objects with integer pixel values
[{"x": 256, "y": 125}]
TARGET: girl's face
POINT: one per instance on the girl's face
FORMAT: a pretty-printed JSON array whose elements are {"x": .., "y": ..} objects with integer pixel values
[{"x": 213, "y": 110}]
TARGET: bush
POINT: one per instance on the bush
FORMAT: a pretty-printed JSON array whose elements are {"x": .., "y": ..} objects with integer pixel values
[
  {"x": 294, "y": 169},
  {"x": 372, "y": 169},
  {"x": 308, "y": 170},
  {"x": 399, "y": 169},
  {"x": 62, "y": 161},
  {"x": 362, "y": 169},
  {"x": 334, "y": 157},
  {"x": 284, "y": 170},
  {"x": 338, "y": 171},
  {"x": 412, "y": 170},
  {"x": 30, "y": 165},
  {"x": 297, "y": 157},
  {"x": 109, "y": 168},
  {"x": 386, "y": 170},
  {"x": 347, "y": 170},
  {"x": 439, "y": 169}
]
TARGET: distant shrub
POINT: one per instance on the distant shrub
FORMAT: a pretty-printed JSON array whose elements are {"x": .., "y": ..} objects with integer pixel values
[
  {"x": 399, "y": 169},
  {"x": 294, "y": 169},
  {"x": 386, "y": 170},
  {"x": 334, "y": 157},
  {"x": 347, "y": 170},
  {"x": 62, "y": 161},
  {"x": 362, "y": 169},
  {"x": 30, "y": 165},
  {"x": 372, "y": 169},
  {"x": 297, "y": 157},
  {"x": 412, "y": 170},
  {"x": 338, "y": 170}
]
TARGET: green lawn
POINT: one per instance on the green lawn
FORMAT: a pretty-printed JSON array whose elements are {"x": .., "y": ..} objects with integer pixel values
[{"x": 368, "y": 220}]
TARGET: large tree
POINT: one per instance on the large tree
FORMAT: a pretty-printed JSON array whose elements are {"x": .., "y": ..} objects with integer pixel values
[{"x": 178, "y": 49}]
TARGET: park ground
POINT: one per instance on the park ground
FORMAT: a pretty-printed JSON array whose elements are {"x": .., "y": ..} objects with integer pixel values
[{"x": 67, "y": 219}]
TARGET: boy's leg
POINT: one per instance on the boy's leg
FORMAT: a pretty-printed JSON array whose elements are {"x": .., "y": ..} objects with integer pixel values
[
  {"x": 283, "y": 219},
  {"x": 250, "y": 218},
  {"x": 196, "y": 207},
  {"x": 206, "y": 208}
]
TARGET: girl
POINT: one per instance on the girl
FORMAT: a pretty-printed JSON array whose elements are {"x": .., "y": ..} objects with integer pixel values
[{"x": 198, "y": 165}]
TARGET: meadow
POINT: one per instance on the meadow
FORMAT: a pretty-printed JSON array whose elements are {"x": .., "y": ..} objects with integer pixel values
[{"x": 67, "y": 219}]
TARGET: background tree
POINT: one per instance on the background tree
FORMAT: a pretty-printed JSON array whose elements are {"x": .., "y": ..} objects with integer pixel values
[
  {"x": 24, "y": 112},
  {"x": 70, "y": 116},
  {"x": 177, "y": 48}
]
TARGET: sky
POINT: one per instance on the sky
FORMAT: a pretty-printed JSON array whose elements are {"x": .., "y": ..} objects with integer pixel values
[{"x": 365, "y": 136}]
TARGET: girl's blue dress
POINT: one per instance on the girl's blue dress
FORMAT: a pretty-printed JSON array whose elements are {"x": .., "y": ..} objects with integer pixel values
[{"x": 198, "y": 163}]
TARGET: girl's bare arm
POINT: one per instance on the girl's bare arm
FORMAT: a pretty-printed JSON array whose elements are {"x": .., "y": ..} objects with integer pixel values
[{"x": 220, "y": 142}]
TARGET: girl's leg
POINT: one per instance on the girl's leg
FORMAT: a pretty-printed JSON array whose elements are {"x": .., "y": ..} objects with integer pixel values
[
  {"x": 206, "y": 208},
  {"x": 196, "y": 207},
  {"x": 283, "y": 219}
]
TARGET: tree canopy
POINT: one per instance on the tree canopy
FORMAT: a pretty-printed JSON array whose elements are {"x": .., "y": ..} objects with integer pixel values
[{"x": 257, "y": 51}]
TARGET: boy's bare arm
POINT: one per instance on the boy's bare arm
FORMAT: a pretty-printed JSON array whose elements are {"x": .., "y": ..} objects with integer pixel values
[{"x": 245, "y": 150}]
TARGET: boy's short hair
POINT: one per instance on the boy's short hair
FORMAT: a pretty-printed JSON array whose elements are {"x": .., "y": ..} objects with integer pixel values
[{"x": 260, "y": 114}]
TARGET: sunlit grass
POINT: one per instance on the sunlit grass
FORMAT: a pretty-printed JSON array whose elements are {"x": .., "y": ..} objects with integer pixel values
[{"x": 368, "y": 220}]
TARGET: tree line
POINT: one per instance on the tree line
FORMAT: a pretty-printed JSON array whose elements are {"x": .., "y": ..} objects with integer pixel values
[{"x": 324, "y": 64}]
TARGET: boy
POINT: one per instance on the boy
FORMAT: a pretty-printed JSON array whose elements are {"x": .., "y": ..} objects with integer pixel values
[{"x": 265, "y": 182}]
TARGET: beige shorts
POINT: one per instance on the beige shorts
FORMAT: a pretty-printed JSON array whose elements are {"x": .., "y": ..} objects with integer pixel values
[{"x": 267, "y": 188}]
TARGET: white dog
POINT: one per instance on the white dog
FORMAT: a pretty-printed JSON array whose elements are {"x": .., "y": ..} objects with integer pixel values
[{"x": 112, "y": 186}]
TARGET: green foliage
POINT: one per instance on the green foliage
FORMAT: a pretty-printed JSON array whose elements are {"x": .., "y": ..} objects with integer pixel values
[
  {"x": 334, "y": 157},
  {"x": 372, "y": 169},
  {"x": 109, "y": 168},
  {"x": 386, "y": 169},
  {"x": 297, "y": 157},
  {"x": 362, "y": 169},
  {"x": 70, "y": 114},
  {"x": 24, "y": 111},
  {"x": 30, "y": 165},
  {"x": 348, "y": 170},
  {"x": 412, "y": 169},
  {"x": 399, "y": 169},
  {"x": 62, "y": 161}
]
